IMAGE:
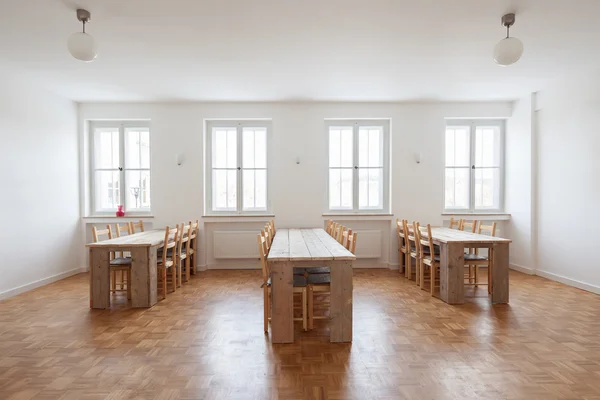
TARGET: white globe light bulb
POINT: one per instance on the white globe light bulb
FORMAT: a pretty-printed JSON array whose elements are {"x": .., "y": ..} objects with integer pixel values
[
  {"x": 82, "y": 46},
  {"x": 508, "y": 51}
]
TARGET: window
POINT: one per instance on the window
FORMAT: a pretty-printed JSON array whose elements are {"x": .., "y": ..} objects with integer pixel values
[
  {"x": 237, "y": 167},
  {"x": 120, "y": 166},
  {"x": 474, "y": 159},
  {"x": 358, "y": 166}
]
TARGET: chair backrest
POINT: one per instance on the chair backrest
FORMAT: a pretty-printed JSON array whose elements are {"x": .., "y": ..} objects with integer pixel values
[
  {"x": 351, "y": 242},
  {"x": 184, "y": 239},
  {"x": 334, "y": 229},
  {"x": 468, "y": 226},
  {"x": 417, "y": 238},
  {"x": 96, "y": 233},
  {"x": 454, "y": 224},
  {"x": 170, "y": 244},
  {"x": 491, "y": 229},
  {"x": 133, "y": 226},
  {"x": 408, "y": 235},
  {"x": 263, "y": 253},
  {"x": 266, "y": 231},
  {"x": 401, "y": 237},
  {"x": 273, "y": 227},
  {"x": 340, "y": 234},
  {"x": 122, "y": 228},
  {"x": 346, "y": 237},
  {"x": 426, "y": 241},
  {"x": 328, "y": 226}
]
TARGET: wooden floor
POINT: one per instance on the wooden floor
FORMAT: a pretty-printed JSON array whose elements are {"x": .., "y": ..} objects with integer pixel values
[{"x": 206, "y": 342}]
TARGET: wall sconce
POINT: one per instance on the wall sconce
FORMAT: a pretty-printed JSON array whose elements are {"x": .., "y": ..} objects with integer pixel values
[
  {"x": 418, "y": 157},
  {"x": 179, "y": 158}
]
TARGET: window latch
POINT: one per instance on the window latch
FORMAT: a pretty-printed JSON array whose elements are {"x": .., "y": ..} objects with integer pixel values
[
  {"x": 355, "y": 167},
  {"x": 120, "y": 168},
  {"x": 239, "y": 168},
  {"x": 472, "y": 167}
]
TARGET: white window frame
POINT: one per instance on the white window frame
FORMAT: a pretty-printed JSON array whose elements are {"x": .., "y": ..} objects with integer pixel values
[
  {"x": 121, "y": 125},
  {"x": 239, "y": 125},
  {"x": 473, "y": 124},
  {"x": 356, "y": 125}
]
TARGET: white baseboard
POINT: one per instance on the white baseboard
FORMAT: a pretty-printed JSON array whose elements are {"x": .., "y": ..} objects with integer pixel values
[
  {"x": 41, "y": 282},
  {"x": 525, "y": 270},
  {"x": 568, "y": 281},
  {"x": 394, "y": 266}
]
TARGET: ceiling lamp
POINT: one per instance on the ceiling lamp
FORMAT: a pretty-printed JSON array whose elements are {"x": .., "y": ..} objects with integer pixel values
[
  {"x": 81, "y": 45},
  {"x": 510, "y": 49}
]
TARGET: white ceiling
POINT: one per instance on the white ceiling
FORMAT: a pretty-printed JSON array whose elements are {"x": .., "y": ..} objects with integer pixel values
[{"x": 269, "y": 50}]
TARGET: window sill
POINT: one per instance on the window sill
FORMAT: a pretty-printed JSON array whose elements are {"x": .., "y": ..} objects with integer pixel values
[
  {"x": 498, "y": 216},
  {"x": 99, "y": 219},
  {"x": 236, "y": 217},
  {"x": 360, "y": 216}
]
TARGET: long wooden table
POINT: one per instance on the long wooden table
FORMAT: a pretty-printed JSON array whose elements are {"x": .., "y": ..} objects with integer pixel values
[
  {"x": 309, "y": 248},
  {"x": 143, "y": 247},
  {"x": 452, "y": 244}
]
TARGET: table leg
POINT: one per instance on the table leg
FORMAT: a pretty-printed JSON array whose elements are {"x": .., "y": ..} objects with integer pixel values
[
  {"x": 282, "y": 302},
  {"x": 143, "y": 277},
  {"x": 500, "y": 273},
  {"x": 452, "y": 265},
  {"x": 341, "y": 301},
  {"x": 99, "y": 277}
]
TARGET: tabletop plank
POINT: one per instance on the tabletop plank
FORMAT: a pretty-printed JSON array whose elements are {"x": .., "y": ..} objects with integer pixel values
[
  {"x": 318, "y": 251},
  {"x": 142, "y": 239},
  {"x": 298, "y": 247},
  {"x": 447, "y": 235},
  {"x": 280, "y": 248},
  {"x": 338, "y": 251}
]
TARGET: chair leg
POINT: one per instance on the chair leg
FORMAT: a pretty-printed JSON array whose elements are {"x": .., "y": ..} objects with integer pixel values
[
  {"x": 266, "y": 308},
  {"x": 188, "y": 262},
  {"x": 129, "y": 284},
  {"x": 113, "y": 283},
  {"x": 432, "y": 272},
  {"x": 407, "y": 267},
  {"x": 179, "y": 273},
  {"x": 417, "y": 272},
  {"x": 311, "y": 309},
  {"x": 476, "y": 274},
  {"x": 164, "y": 282},
  {"x": 174, "y": 276},
  {"x": 304, "y": 310},
  {"x": 422, "y": 274}
]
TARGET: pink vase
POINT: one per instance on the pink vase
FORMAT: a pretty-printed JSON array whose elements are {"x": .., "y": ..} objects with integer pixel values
[{"x": 120, "y": 212}]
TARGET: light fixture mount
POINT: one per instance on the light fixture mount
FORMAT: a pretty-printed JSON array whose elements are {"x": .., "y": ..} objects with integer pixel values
[
  {"x": 508, "y": 20},
  {"x": 83, "y": 15},
  {"x": 81, "y": 45}
]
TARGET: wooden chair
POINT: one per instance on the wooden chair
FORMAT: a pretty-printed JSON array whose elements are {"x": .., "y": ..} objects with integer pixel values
[
  {"x": 475, "y": 260},
  {"x": 428, "y": 259},
  {"x": 168, "y": 259},
  {"x": 121, "y": 275},
  {"x": 192, "y": 247},
  {"x": 346, "y": 237},
  {"x": 299, "y": 285},
  {"x": 328, "y": 226},
  {"x": 351, "y": 243},
  {"x": 182, "y": 259},
  {"x": 133, "y": 226},
  {"x": 117, "y": 264},
  {"x": 454, "y": 224},
  {"x": 401, "y": 244}
]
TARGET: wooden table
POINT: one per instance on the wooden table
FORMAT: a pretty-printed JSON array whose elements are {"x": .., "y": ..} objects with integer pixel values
[
  {"x": 309, "y": 248},
  {"x": 452, "y": 244},
  {"x": 143, "y": 247}
]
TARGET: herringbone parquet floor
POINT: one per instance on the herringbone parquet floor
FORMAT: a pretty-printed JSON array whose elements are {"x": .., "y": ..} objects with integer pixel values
[{"x": 206, "y": 342}]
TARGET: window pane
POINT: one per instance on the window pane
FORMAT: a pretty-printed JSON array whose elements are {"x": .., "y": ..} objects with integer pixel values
[
  {"x": 340, "y": 147},
  {"x": 224, "y": 190},
  {"x": 340, "y": 188},
  {"x": 370, "y": 193},
  {"x": 224, "y": 153},
  {"x": 255, "y": 189},
  {"x": 107, "y": 190},
  {"x": 106, "y": 148},
  {"x": 254, "y": 148},
  {"x": 370, "y": 147},
  {"x": 137, "y": 148},
  {"x": 137, "y": 193},
  {"x": 461, "y": 152},
  {"x": 487, "y": 146},
  {"x": 248, "y": 150},
  {"x": 457, "y": 188},
  {"x": 487, "y": 188}
]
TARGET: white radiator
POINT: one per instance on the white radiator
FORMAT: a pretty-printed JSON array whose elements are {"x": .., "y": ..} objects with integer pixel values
[
  {"x": 235, "y": 244},
  {"x": 368, "y": 244}
]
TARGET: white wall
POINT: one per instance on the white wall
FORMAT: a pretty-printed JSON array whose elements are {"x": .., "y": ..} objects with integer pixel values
[
  {"x": 569, "y": 181},
  {"x": 39, "y": 176},
  {"x": 298, "y": 191},
  {"x": 519, "y": 191}
]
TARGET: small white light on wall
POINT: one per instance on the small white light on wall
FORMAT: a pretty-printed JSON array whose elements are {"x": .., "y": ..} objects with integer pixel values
[
  {"x": 179, "y": 158},
  {"x": 298, "y": 160},
  {"x": 418, "y": 157}
]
